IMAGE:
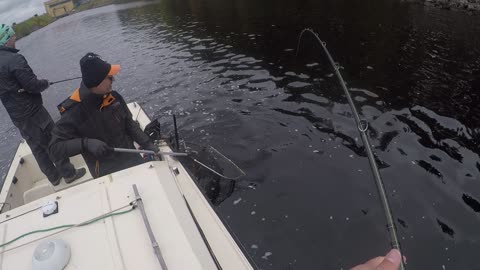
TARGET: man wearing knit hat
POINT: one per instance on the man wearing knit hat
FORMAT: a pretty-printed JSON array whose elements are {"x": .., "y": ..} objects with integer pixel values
[
  {"x": 20, "y": 94},
  {"x": 96, "y": 119}
]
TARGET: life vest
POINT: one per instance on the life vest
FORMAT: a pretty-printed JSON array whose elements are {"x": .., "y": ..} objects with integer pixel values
[{"x": 75, "y": 99}]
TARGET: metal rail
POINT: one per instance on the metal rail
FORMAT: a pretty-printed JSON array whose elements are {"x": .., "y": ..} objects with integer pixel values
[{"x": 155, "y": 246}]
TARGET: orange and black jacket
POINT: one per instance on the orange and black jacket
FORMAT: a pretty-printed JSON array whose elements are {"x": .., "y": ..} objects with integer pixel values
[
  {"x": 106, "y": 118},
  {"x": 16, "y": 74}
]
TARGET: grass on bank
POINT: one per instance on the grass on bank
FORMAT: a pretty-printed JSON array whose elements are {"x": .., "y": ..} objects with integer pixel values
[
  {"x": 34, "y": 23},
  {"x": 100, "y": 3},
  {"x": 93, "y": 4}
]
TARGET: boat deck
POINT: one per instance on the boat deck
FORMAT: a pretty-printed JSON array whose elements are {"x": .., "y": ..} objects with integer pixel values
[{"x": 119, "y": 242}]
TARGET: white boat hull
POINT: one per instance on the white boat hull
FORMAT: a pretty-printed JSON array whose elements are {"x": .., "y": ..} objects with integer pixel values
[{"x": 189, "y": 233}]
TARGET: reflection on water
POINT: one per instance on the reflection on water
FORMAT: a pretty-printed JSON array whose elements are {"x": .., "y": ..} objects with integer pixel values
[
  {"x": 228, "y": 70},
  {"x": 473, "y": 203}
]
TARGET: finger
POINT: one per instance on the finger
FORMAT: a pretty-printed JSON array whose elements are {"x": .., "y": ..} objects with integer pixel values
[
  {"x": 391, "y": 262},
  {"x": 375, "y": 262},
  {"x": 360, "y": 267},
  {"x": 371, "y": 264}
]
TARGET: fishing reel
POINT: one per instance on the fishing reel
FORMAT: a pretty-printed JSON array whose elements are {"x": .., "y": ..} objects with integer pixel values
[{"x": 153, "y": 130}]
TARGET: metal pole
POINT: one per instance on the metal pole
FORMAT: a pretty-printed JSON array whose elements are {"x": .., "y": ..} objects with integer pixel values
[
  {"x": 176, "y": 132},
  {"x": 155, "y": 246},
  {"x": 136, "y": 151}
]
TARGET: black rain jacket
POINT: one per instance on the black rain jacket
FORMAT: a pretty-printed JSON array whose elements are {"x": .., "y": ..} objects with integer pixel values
[
  {"x": 106, "y": 118},
  {"x": 16, "y": 74}
]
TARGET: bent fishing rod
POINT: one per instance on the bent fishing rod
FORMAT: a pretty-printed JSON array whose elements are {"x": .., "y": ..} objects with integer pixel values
[{"x": 362, "y": 126}]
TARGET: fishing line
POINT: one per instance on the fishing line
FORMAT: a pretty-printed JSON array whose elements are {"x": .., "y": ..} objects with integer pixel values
[{"x": 362, "y": 126}]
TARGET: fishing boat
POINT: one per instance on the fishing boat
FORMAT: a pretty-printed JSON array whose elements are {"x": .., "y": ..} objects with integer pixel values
[{"x": 151, "y": 216}]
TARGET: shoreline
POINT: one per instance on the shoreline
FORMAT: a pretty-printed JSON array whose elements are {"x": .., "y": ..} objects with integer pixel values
[
  {"x": 37, "y": 22},
  {"x": 470, "y": 6}
]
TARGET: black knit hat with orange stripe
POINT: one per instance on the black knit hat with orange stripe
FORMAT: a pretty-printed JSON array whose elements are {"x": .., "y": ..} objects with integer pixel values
[{"x": 95, "y": 69}]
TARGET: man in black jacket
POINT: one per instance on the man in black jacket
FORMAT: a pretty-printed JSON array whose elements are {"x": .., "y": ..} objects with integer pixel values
[
  {"x": 20, "y": 94},
  {"x": 95, "y": 119}
]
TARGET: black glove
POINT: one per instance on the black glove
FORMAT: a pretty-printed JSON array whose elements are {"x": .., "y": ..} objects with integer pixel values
[
  {"x": 152, "y": 147},
  {"x": 96, "y": 147},
  {"x": 46, "y": 84}
]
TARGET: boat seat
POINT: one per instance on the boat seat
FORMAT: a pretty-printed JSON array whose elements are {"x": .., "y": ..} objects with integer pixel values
[{"x": 40, "y": 189}]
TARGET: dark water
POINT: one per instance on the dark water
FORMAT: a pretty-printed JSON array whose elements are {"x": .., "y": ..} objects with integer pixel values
[{"x": 228, "y": 70}]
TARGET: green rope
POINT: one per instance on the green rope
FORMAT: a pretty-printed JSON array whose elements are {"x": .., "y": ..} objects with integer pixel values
[{"x": 67, "y": 226}]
